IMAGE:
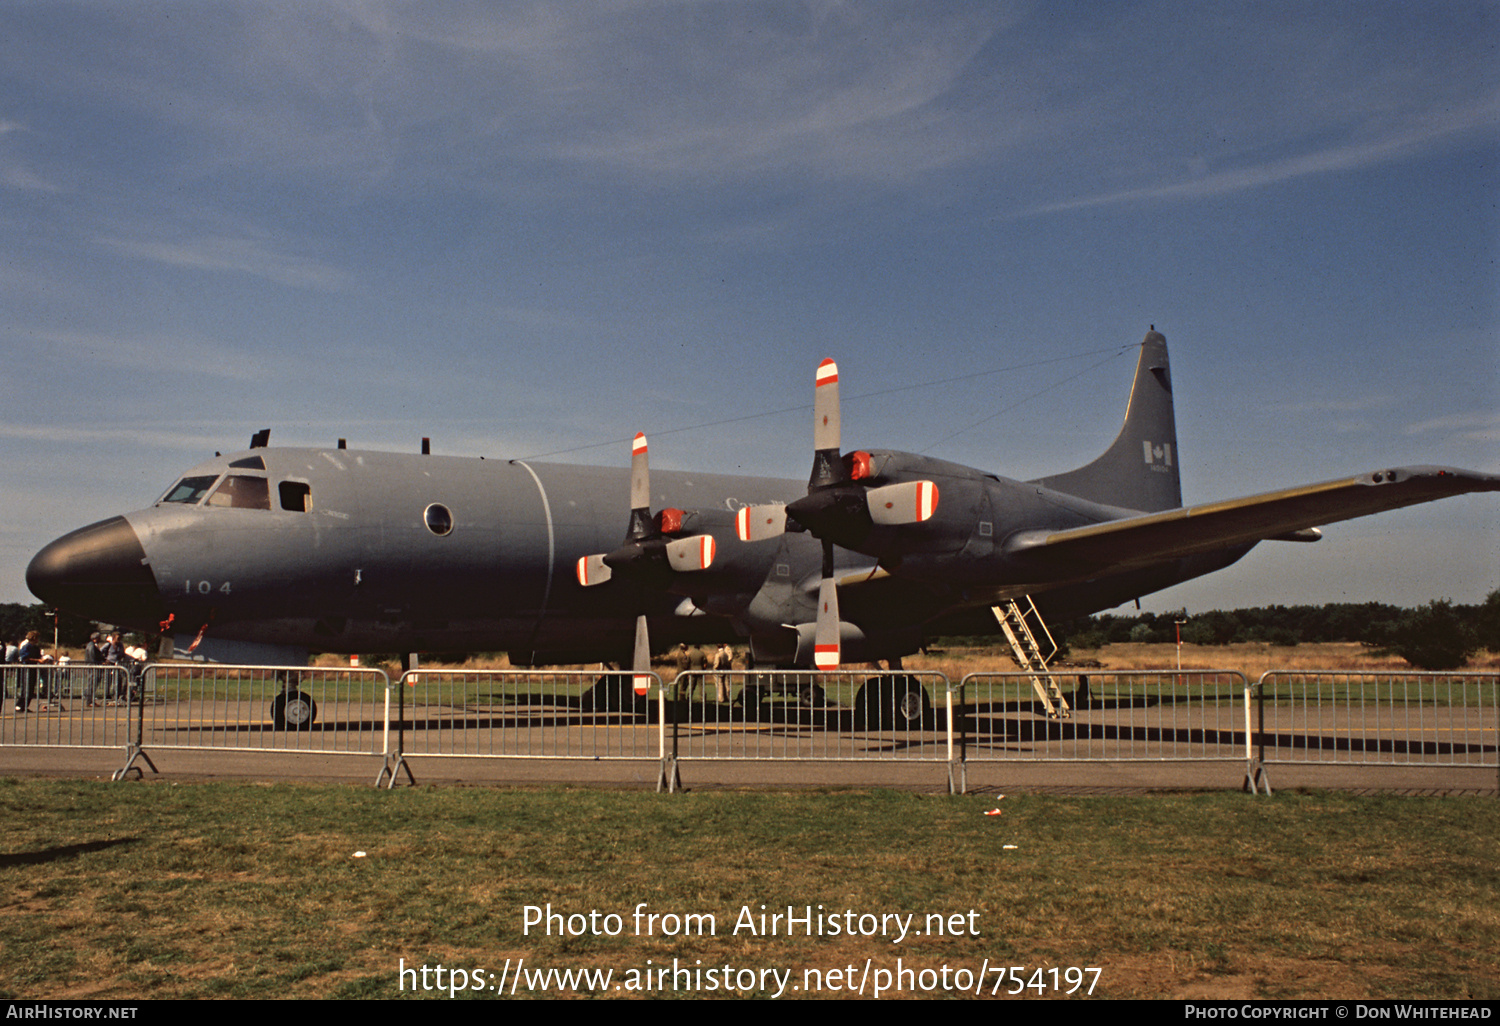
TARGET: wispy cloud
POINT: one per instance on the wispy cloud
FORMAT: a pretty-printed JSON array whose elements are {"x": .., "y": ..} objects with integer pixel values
[
  {"x": 477, "y": 96},
  {"x": 15, "y": 174},
  {"x": 237, "y": 255},
  {"x": 1424, "y": 131},
  {"x": 113, "y": 435},
  {"x": 1361, "y": 404},
  {"x": 184, "y": 357},
  {"x": 1475, "y": 426}
]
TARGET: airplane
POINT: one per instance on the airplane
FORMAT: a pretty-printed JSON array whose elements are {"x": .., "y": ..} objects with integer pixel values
[{"x": 267, "y": 554}]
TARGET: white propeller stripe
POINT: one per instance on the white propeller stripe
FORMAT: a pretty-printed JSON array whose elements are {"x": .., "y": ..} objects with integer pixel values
[
  {"x": 688, "y": 554},
  {"x": 911, "y": 502}
]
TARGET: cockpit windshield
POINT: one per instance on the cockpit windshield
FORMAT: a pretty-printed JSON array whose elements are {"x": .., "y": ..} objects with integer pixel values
[
  {"x": 238, "y": 491},
  {"x": 241, "y": 491},
  {"x": 190, "y": 489}
]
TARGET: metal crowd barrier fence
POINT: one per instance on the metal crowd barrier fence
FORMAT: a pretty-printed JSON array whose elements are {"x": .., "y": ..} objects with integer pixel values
[
  {"x": 527, "y": 714},
  {"x": 331, "y": 711},
  {"x": 1407, "y": 719},
  {"x": 840, "y": 715},
  {"x": 76, "y": 706},
  {"x": 1383, "y": 718},
  {"x": 1104, "y": 716}
]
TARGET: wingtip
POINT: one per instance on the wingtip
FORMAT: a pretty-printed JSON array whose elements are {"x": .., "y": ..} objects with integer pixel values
[{"x": 1461, "y": 480}]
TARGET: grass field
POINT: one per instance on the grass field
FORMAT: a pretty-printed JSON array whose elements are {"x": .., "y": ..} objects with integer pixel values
[{"x": 221, "y": 890}]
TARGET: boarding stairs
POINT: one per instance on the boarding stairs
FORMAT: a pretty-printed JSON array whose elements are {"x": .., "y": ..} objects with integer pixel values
[{"x": 1021, "y": 625}]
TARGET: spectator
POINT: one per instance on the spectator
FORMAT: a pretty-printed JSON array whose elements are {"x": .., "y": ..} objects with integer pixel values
[{"x": 28, "y": 653}]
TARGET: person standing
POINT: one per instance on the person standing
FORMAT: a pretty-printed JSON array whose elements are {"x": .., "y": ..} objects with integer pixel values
[
  {"x": 93, "y": 657},
  {"x": 28, "y": 653},
  {"x": 723, "y": 663}
]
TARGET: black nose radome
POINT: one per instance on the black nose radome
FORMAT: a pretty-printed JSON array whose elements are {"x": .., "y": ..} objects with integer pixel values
[{"x": 100, "y": 572}]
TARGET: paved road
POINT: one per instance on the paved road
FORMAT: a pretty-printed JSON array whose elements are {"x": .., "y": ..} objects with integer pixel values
[{"x": 1070, "y": 778}]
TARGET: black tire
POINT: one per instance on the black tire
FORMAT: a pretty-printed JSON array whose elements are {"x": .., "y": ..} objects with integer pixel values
[
  {"x": 812, "y": 696},
  {"x": 614, "y": 692},
  {"x": 293, "y": 710},
  {"x": 892, "y": 703}
]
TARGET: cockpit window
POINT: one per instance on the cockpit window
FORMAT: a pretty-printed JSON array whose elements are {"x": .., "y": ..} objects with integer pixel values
[
  {"x": 240, "y": 491},
  {"x": 190, "y": 489},
  {"x": 248, "y": 463},
  {"x": 296, "y": 496}
]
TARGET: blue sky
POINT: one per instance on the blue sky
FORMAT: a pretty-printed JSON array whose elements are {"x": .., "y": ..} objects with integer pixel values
[{"x": 537, "y": 227}]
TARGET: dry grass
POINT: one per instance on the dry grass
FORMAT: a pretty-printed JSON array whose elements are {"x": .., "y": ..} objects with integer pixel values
[{"x": 1250, "y": 659}]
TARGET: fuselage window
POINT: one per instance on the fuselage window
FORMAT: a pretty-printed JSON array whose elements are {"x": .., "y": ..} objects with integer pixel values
[
  {"x": 438, "y": 519},
  {"x": 240, "y": 491},
  {"x": 296, "y": 496},
  {"x": 190, "y": 489}
]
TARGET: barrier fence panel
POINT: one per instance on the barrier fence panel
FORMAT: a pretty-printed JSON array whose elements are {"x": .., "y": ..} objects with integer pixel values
[
  {"x": 1313, "y": 717},
  {"x": 77, "y": 706},
  {"x": 264, "y": 708},
  {"x": 559, "y": 714},
  {"x": 1431, "y": 719},
  {"x": 838, "y": 715},
  {"x": 1111, "y": 716}
]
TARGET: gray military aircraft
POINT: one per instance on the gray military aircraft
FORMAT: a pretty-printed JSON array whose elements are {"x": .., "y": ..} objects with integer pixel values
[{"x": 266, "y": 554}]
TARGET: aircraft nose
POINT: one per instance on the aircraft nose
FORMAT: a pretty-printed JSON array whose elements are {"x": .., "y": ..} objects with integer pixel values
[{"x": 99, "y": 571}]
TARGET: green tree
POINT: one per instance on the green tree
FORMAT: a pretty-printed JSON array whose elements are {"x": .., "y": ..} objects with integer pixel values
[
  {"x": 1487, "y": 622},
  {"x": 1432, "y": 637}
]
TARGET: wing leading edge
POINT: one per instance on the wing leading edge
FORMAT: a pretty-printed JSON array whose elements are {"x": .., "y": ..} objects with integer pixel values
[{"x": 1142, "y": 540}]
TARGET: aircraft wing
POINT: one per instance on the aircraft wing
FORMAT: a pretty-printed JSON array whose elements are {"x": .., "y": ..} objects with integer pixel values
[{"x": 1150, "y": 538}]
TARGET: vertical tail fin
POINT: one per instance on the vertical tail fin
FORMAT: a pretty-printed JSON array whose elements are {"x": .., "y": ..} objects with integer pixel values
[{"x": 1138, "y": 471}]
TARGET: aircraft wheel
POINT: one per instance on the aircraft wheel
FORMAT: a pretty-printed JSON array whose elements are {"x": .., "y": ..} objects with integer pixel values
[
  {"x": 750, "y": 699},
  {"x": 873, "y": 704},
  {"x": 886, "y": 703},
  {"x": 293, "y": 710},
  {"x": 912, "y": 706},
  {"x": 812, "y": 696},
  {"x": 613, "y": 692}
]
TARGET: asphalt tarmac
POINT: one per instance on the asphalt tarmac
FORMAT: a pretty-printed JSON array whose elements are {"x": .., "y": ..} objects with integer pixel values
[{"x": 1127, "y": 741}]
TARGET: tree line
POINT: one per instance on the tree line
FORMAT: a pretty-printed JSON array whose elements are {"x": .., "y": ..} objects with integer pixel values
[
  {"x": 1440, "y": 635},
  {"x": 16, "y": 620}
]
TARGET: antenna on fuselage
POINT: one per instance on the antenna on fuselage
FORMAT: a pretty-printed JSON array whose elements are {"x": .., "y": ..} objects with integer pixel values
[{"x": 260, "y": 439}]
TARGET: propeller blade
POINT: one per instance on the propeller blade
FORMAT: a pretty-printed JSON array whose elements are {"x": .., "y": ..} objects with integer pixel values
[
  {"x": 593, "y": 570},
  {"x": 756, "y": 523},
  {"x": 688, "y": 554},
  {"x": 910, "y": 502},
  {"x": 826, "y": 406},
  {"x": 827, "y": 468},
  {"x": 640, "y": 663},
  {"x": 826, "y": 640},
  {"x": 640, "y": 489},
  {"x": 826, "y": 637}
]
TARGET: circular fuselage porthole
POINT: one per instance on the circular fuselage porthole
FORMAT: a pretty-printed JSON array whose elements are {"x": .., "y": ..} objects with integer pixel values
[{"x": 438, "y": 518}]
